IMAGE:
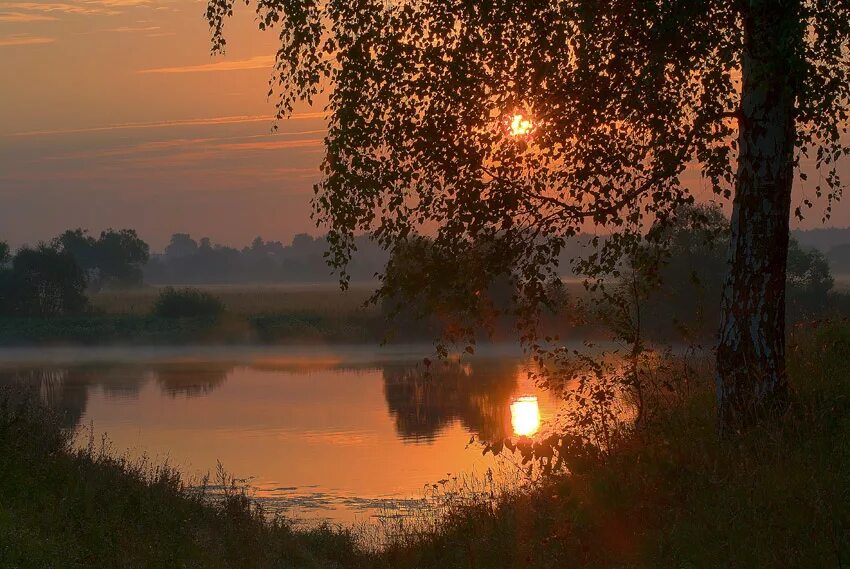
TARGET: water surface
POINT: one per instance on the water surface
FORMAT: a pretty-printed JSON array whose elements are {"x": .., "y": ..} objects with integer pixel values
[{"x": 336, "y": 433}]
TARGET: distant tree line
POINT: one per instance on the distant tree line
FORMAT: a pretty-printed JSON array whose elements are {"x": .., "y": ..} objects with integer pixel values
[
  {"x": 679, "y": 294},
  {"x": 187, "y": 261},
  {"x": 53, "y": 278}
]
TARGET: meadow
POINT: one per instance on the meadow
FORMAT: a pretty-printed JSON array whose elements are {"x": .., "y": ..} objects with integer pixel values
[
  {"x": 253, "y": 314},
  {"x": 249, "y": 300}
]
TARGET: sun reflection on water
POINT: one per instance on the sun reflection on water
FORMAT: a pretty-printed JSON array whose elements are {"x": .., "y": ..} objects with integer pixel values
[{"x": 525, "y": 416}]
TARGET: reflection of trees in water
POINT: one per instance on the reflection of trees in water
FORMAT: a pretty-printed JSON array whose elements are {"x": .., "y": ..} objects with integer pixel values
[
  {"x": 478, "y": 394},
  {"x": 67, "y": 389},
  {"x": 191, "y": 379}
]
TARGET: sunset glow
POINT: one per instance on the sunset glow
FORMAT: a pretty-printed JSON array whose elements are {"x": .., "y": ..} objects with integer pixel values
[
  {"x": 525, "y": 416},
  {"x": 520, "y": 125}
]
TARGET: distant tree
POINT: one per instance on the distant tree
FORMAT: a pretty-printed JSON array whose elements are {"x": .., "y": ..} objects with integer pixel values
[
  {"x": 83, "y": 247},
  {"x": 420, "y": 264},
  {"x": 115, "y": 259},
  {"x": 809, "y": 281},
  {"x": 839, "y": 258},
  {"x": 47, "y": 282},
  {"x": 5, "y": 253},
  {"x": 121, "y": 254},
  {"x": 680, "y": 289},
  {"x": 680, "y": 279},
  {"x": 181, "y": 245},
  {"x": 9, "y": 292}
]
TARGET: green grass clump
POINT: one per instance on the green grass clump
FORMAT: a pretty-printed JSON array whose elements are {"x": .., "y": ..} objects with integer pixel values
[{"x": 187, "y": 303}]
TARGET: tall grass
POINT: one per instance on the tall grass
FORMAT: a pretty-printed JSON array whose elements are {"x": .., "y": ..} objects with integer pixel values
[
  {"x": 63, "y": 507},
  {"x": 246, "y": 300}
]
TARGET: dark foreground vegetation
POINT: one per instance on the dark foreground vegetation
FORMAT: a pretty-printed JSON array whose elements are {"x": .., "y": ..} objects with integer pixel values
[{"x": 668, "y": 493}]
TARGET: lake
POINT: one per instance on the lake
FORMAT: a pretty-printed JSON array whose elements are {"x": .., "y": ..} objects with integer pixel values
[{"x": 340, "y": 433}]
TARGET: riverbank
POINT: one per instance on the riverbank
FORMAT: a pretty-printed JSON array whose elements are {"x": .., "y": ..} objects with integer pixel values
[
  {"x": 151, "y": 330},
  {"x": 670, "y": 494},
  {"x": 252, "y": 315}
]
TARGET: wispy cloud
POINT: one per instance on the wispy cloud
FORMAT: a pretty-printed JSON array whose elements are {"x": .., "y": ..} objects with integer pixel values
[
  {"x": 119, "y": 3},
  {"x": 257, "y": 62},
  {"x": 20, "y": 17},
  {"x": 130, "y": 29},
  {"x": 269, "y": 144},
  {"x": 24, "y": 40},
  {"x": 225, "y": 143},
  {"x": 77, "y": 7},
  {"x": 172, "y": 123},
  {"x": 61, "y": 7}
]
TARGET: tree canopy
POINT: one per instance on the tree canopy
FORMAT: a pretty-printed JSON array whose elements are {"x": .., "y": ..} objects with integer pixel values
[
  {"x": 519, "y": 123},
  {"x": 114, "y": 259},
  {"x": 623, "y": 98}
]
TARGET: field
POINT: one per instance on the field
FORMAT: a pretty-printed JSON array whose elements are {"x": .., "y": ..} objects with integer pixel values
[{"x": 250, "y": 300}]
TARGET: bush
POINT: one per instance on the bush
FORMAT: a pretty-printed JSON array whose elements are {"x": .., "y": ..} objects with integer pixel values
[
  {"x": 42, "y": 283},
  {"x": 187, "y": 303}
]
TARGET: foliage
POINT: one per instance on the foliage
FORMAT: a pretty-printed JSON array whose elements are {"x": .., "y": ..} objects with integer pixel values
[
  {"x": 673, "y": 290},
  {"x": 622, "y": 96},
  {"x": 115, "y": 259},
  {"x": 42, "y": 282},
  {"x": 412, "y": 290},
  {"x": 187, "y": 303},
  {"x": 5, "y": 254},
  {"x": 809, "y": 281}
]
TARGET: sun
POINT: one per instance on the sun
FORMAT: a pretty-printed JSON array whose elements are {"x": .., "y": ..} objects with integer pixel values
[
  {"x": 525, "y": 416},
  {"x": 520, "y": 125}
]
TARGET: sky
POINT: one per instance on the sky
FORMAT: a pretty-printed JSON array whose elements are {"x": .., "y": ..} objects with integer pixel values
[{"x": 114, "y": 114}]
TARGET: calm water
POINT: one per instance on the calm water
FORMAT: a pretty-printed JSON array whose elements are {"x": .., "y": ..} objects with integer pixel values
[{"x": 320, "y": 434}]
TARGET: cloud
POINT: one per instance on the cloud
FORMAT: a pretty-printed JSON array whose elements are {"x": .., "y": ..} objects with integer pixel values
[
  {"x": 181, "y": 145},
  {"x": 60, "y": 7},
  {"x": 79, "y": 7},
  {"x": 24, "y": 40},
  {"x": 211, "y": 121},
  {"x": 119, "y": 3},
  {"x": 270, "y": 145},
  {"x": 24, "y": 17},
  {"x": 125, "y": 29},
  {"x": 257, "y": 62}
]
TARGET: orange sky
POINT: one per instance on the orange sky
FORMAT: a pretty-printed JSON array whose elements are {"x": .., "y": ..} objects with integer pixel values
[{"x": 114, "y": 114}]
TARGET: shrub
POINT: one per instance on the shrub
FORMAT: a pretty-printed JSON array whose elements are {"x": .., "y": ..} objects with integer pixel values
[{"x": 187, "y": 303}]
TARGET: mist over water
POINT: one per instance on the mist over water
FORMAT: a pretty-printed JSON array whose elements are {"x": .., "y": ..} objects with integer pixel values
[{"x": 318, "y": 432}]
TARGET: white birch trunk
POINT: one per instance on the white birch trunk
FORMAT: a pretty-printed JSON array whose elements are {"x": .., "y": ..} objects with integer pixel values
[{"x": 751, "y": 378}]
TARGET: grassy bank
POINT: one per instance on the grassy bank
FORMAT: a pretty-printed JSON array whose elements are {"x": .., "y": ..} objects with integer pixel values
[
  {"x": 670, "y": 494},
  {"x": 131, "y": 329},
  {"x": 260, "y": 314},
  {"x": 63, "y": 508}
]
